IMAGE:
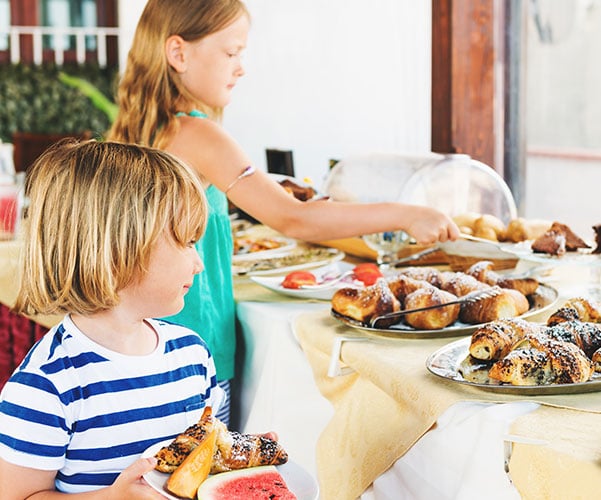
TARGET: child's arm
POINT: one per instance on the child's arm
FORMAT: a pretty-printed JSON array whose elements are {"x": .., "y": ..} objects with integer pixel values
[{"x": 18, "y": 483}]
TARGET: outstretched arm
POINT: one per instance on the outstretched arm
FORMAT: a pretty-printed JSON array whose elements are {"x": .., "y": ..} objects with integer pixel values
[{"x": 219, "y": 160}]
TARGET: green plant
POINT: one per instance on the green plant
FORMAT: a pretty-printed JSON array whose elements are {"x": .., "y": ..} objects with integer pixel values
[
  {"x": 34, "y": 99},
  {"x": 99, "y": 100}
]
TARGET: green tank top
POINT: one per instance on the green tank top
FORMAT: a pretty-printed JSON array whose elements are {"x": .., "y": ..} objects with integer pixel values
[{"x": 209, "y": 307}]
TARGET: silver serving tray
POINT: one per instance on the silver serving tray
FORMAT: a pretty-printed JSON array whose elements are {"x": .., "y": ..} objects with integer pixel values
[
  {"x": 445, "y": 363},
  {"x": 541, "y": 301}
]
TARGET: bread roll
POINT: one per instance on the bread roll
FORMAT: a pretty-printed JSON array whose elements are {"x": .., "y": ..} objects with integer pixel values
[
  {"x": 521, "y": 229},
  {"x": 489, "y": 227}
]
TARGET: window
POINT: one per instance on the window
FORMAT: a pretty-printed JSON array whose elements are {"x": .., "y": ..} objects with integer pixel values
[
  {"x": 4, "y": 23},
  {"x": 68, "y": 13},
  {"x": 58, "y": 14}
]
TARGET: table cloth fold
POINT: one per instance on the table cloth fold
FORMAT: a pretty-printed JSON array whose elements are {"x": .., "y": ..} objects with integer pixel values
[{"x": 390, "y": 400}]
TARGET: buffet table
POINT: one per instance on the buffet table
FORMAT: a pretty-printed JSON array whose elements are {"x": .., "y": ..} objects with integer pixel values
[{"x": 375, "y": 424}]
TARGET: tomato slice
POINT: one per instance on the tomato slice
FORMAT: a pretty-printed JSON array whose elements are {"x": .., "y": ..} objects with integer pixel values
[
  {"x": 296, "y": 279},
  {"x": 367, "y": 272}
]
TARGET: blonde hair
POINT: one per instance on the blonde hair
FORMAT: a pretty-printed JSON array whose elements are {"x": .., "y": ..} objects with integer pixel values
[
  {"x": 151, "y": 91},
  {"x": 95, "y": 211}
]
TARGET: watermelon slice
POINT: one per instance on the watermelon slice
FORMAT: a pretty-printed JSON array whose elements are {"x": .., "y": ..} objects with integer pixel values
[{"x": 254, "y": 483}]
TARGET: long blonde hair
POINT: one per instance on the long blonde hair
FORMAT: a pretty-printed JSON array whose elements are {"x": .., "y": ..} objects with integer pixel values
[
  {"x": 95, "y": 211},
  {"x": 150, "y": 90}
]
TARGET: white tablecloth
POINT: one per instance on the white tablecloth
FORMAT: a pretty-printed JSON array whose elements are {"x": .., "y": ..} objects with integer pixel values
[
  {"x": 278, "y": 391},
  {"x": 462, "y": 455}
]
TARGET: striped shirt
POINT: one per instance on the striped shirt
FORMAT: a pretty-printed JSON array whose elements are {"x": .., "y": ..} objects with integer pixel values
[{"x": 88, "y": 412}]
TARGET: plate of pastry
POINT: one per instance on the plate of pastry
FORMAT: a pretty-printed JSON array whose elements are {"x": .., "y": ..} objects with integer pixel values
[
  {"x": 441, "y": 304},
  {"x": 297, "y": 479},
  {"x": 541, "y": 362},
  {"x": 296, "y": 259}
]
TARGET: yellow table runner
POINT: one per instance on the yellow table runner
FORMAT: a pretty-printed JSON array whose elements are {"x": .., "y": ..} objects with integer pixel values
[
  {"x": 9, "y": 280},
  {"x": 389, "y": 401}
]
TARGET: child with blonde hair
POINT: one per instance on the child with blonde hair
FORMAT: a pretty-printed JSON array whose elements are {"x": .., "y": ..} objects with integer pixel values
[
  {"x": 181, "y": 70},
  {"x": 109, "y": 241}
]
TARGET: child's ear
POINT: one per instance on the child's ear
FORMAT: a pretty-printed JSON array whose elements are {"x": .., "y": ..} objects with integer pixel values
[{"x": 175, "y": 52}]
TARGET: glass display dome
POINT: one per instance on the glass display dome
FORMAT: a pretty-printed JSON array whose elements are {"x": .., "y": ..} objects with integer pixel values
[
  {"x": 458, "y": 184},
  {"x": 374, "y": 177}
]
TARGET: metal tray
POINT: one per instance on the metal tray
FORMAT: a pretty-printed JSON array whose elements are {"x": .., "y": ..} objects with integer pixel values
[
  {"x": 446, "y": 361},
  {"x": 541, "y": 301}
]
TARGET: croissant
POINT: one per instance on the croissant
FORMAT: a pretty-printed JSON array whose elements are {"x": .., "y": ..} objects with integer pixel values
[
  {"x": 507, "y": 303},
  {"x": 429, "y": 274},
  {"x": 232, "y": 450},
  {"x": 171, "y": 456},
  {"x": 460, "y": 284},
  {"x": 434, "y": 318},
  {"x": 402, "y": 285},
  {"x": 596, "y": 359},
  {"x": 539, "y": 360},
  {"x": 579, "y": 309},
  {"x": 483, "y": 271},
  {"x": 496, "y": 339},
  {"x": 363, "y": 304},
  {"x": 587, "y": 336},
  {"x": 239, "y": 451}
]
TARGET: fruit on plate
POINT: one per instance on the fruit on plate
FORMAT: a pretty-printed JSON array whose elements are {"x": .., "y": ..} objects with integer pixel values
[
  {"x": 367, "y": 272},
  {"x": 264, "y": 483},
  {"x": 194, "y": 469},
  {"x": 296, "y": 279}
]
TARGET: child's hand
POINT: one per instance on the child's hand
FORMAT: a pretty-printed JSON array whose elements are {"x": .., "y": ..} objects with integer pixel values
[
  {"x": 131, "y": 484},
  {"x": 431, "y": 226}
]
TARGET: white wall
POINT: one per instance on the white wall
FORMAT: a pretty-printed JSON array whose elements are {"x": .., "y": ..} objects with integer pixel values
[{"x": 329, "y": 78}]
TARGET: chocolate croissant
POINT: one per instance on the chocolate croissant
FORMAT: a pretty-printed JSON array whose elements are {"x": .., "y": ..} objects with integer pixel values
[
  {"x": 239, "y": 451},
  {"x": 540, "y": 360},
  {"x": 483, "y": 271},
  {"x": 587, "y": 336},
  {"x": 232, "y": 450},
  {"x": 171, "y": 456},
  {"x": 579, "y": 309},
  {"x": 496, "y": 339}
]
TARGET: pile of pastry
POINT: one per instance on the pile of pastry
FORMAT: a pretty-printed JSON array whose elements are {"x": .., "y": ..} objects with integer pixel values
[
  {"x": 208, "y": 447},
  {"x": 553, "y": 238},
  {"x": 565, "y": 350},
  {"x": 418, "y": 287}
]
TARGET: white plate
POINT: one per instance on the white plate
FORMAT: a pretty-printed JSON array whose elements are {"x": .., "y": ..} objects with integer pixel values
[
  {"x": 274, "y": 283},
  {"x": 279, "y": 264},
  {"x": 299, "y": 481},
  {"x": 286, "y": 245},
  {"x": 446, "y": 361}
]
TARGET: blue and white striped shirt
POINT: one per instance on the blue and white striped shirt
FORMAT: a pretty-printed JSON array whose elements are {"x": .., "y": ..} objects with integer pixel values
[{"x": 88, "y": 412}]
